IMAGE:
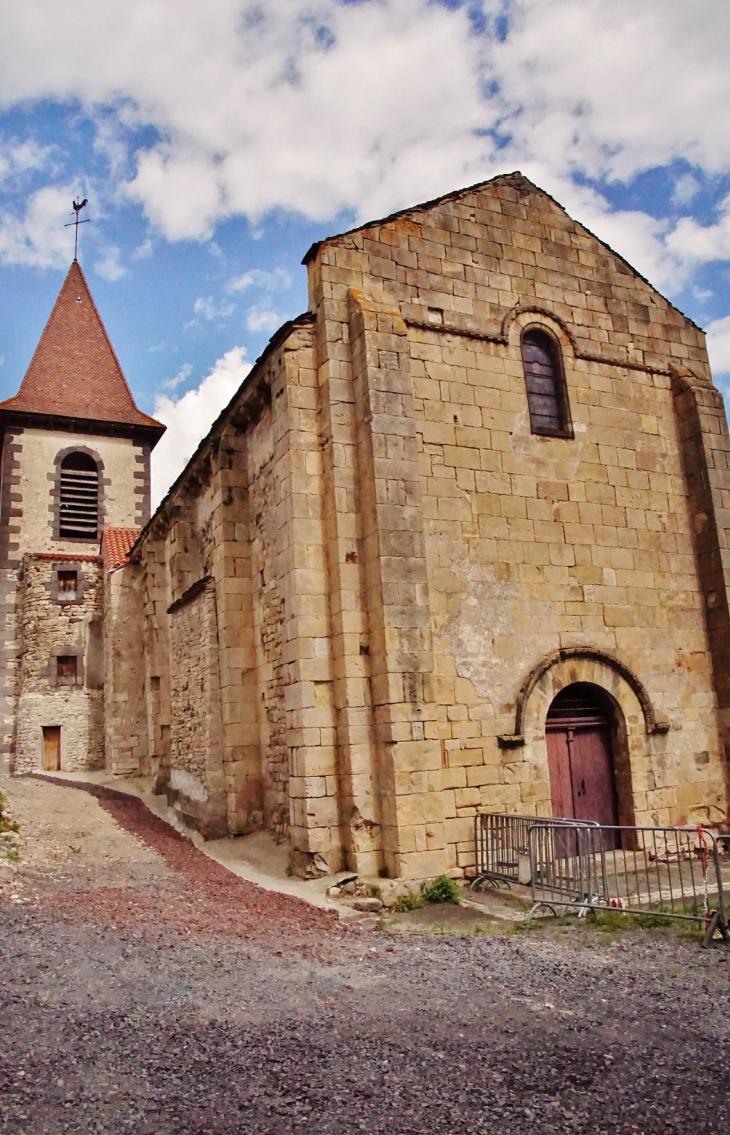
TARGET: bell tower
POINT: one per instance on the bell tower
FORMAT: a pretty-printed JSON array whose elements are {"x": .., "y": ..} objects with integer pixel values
[{"x": 75, "y": 461}]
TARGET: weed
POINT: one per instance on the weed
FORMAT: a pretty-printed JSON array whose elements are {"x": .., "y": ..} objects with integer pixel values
[
  {"x": 442, "y": 889},
  {"x": 690, "y": 932},
  {"x": 612, "y": 921},
  {"x": 408, "y": 902},
  {"x": 6, "y": 824},
  {"x": 8, "y": 850},
  {"x": 529, "y": 925}
]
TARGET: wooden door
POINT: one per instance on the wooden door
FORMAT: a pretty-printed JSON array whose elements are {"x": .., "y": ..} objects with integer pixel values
[
  {"x": 591, "y": 768},
  {"x": 51, "y": 748},
  {"x": 580, "y": 756}
]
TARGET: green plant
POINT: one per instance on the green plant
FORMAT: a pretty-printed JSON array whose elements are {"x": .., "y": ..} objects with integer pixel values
[
  {"x": 442, "y": 889},
  {"x": 6, "y": 824},
  {"x": 612, "y": 921},
  {"x": 8, "y": 850},
  {"x": 408, "y": 902}
]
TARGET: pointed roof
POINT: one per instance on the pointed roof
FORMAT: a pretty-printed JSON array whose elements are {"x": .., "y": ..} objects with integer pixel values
[{"x": 74, "y": 372}]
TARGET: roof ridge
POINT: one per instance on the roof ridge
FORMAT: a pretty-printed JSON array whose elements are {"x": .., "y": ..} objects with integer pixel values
[
  {"x": 515, "y": 177},
  {"x": 515, "y": 174}
]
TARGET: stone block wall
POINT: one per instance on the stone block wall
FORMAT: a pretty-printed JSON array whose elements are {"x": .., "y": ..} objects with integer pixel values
[
  {"x": 196, "y": 784},
  {"x": 125, "y": 717},
  {"x": 48, "y": 627},
  {"x": 372, "y": 580},
  {"x": 535, "y": 544}
]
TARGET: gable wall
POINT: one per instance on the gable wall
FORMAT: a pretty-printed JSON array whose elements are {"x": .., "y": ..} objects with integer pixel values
[{"x": 533, "y": 543}]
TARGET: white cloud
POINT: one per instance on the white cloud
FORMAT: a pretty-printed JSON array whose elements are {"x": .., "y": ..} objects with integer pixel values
[
  {"x": 718, "y": 345},
  {"x": 613, "y": 87},
  {"x": 109, "y": 266},
  {"x": 261, "y": 318},
  {"x": 702, "y": 243},
  {"x": 205, "y": 307},
  {"x": 318, "y": 106},
  {"x": 17, "y": 158},
  {"x": 686, "y": 188},
  {"x": 39, "y": 238},
  {"x": 143, "y": 251},
  {"x": 256, "y": 278},
  {"x": 241, "y": 96},
  {"x": 182, "y": 376},
  {"x": 189, "y": 418}
]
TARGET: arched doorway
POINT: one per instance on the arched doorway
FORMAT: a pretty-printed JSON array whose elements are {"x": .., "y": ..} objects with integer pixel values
[{"x": 579, "y": 732}]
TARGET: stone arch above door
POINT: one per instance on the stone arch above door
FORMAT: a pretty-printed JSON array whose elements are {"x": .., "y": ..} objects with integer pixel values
[{"x": 580, "y": 664}]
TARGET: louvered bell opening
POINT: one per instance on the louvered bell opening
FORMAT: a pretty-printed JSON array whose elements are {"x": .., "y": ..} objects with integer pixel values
[
  {"x": 543, "y": 383},
  {"x": 79, "y": 514}
]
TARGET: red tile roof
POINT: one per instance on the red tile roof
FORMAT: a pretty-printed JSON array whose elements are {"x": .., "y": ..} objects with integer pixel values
[
  {"x": 74, "y": 372},
  {"x": 116, "y": 544}
]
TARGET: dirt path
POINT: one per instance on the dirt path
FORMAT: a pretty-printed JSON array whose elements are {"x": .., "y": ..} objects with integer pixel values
[
  {"x": 148, "y": 993},
  {"x": 98, "y": 854}
]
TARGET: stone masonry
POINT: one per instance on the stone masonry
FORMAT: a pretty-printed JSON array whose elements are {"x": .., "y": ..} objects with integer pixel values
[
  {"x": 360, "y": 598},
  {"x": 50, "y": 626}
]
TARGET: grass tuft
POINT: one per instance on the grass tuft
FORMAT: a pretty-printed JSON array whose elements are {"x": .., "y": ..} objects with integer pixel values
[{"x": 442, "y": 889}]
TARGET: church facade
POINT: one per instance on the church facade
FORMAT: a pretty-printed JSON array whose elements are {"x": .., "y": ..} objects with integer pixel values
[{"x": 460, "y": 542}]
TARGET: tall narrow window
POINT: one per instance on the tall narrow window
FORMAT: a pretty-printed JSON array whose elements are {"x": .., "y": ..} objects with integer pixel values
[
  {"x": 546, "y": 394},
  {"x": 79, "y": 517}
]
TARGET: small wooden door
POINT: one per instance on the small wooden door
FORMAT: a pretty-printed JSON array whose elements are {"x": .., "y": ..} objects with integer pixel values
[
  {"x": 580, "y": 755},
  {"x": 51, "y": 748}
]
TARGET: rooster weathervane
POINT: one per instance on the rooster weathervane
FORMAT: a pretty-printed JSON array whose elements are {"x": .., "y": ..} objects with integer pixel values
[{"x": 77, "y": 207}]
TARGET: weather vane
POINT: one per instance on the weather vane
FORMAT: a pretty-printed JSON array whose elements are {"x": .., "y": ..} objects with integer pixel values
[{"x": 78, "y": 206}]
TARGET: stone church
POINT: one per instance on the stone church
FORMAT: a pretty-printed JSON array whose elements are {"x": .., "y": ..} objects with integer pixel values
[{"x": 460, "y": 542}]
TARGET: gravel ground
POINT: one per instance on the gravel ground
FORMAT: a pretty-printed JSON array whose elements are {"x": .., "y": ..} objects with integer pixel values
[{"x": 138, "y": 1011}]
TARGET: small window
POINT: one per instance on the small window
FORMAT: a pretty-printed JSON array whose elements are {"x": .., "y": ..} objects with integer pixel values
[
  {"x": 546, "y": 394},
  {"x": 67, "y": 584},
  {"x": 66, "y": 669},
  {"x": 79, "y": 514}
]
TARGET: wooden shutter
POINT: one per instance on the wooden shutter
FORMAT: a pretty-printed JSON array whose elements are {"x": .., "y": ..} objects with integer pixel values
[{"x": 79, "y": 514}]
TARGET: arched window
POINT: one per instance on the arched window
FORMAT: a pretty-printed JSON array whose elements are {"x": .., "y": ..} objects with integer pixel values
[
  {"x": 546, "y": 394},
  {"x": 79, "y": 514}
]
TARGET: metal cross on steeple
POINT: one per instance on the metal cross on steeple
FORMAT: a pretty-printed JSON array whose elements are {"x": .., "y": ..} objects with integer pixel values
[{"x": 78, "y": 206}]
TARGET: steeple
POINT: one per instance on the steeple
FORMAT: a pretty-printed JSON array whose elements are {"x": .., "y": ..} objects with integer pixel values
[{"x": 74, "y": 372}]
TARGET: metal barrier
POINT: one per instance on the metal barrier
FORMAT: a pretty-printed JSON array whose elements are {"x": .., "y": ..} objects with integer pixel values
[
  {"x": 668, "y": 872},
  {"x": 502, "y": 844}
]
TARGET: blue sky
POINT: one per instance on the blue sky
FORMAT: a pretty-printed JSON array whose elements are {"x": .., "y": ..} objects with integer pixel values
[{"x": 215, "y": 142}]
